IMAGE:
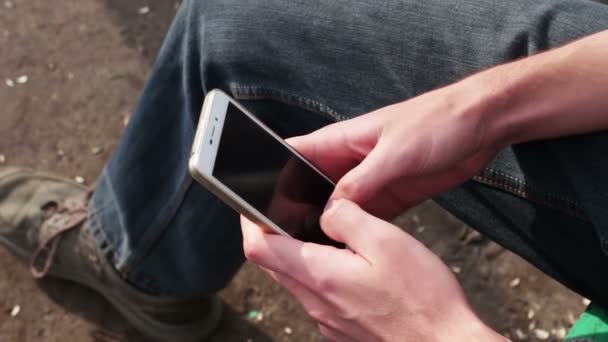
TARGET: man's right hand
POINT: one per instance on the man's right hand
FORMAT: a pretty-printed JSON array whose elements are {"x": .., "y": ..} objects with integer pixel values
[
  {"x": 397, "y": 156},
  {"x": 400, "y": 155}
]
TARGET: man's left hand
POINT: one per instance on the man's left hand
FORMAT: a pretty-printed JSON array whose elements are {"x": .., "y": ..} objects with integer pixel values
[{"x": 386, "y": 287}]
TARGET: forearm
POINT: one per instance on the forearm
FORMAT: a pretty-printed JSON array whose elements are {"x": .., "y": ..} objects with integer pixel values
[{"x": 557, "y": 93}]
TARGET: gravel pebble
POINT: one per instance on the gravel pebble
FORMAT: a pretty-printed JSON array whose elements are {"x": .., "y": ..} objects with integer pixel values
[
  {"x": 520, "y": 335},
  {"x": 531, "y": 313},
  {"x": 515, "y": 282},
  {"x": 560, "y": 332},
  {"x": 96, "y": 150},
  {"x": 15, "y": 311},
  {"x": 541, "y": 334}
]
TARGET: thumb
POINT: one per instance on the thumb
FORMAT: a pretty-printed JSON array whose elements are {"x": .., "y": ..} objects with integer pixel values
[{"x": 364, "y": 234}]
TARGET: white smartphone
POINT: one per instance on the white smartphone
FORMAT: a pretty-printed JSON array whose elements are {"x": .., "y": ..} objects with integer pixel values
[{"x": 250, "y": 168}]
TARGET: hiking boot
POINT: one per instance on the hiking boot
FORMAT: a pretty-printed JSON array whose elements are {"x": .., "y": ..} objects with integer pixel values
[{"x": 43, "y": 220}]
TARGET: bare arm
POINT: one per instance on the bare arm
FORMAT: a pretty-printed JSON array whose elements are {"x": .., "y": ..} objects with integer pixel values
[{"x": 557, "y": 93}]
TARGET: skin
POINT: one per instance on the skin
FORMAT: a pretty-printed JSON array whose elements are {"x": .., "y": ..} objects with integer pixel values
[{"x": 387, "y": 286}]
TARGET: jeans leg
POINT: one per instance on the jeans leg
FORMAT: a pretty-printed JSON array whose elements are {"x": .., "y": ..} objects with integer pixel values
[{"x": 300, "y": 65}]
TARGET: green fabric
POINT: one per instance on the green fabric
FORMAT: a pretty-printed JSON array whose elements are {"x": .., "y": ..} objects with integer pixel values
[{"x": 592, "y": 326}]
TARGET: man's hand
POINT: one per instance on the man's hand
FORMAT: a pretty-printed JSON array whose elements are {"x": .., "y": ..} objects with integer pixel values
[
  {"x": 400, "y": 155},
  {"x": 387, "y": 287}
]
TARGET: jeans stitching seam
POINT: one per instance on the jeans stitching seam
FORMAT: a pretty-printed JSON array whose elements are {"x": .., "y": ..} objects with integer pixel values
[
  {"x": 111, "y": 251},
  {"x": 526, "y": 191},
  {"x": 100, "y": 235},
  {"x": 259, "y": 92},
  {"x": 525, "y": 184}
]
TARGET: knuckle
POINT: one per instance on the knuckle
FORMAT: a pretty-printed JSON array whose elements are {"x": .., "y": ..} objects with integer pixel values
[
  {"x": 330, "y": 217},
  {"x": 350, "y": 187},
  {"x": 327, "y": 219}
]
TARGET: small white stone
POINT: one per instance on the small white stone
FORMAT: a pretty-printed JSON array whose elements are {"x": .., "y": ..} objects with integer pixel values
[
  {"x": 456, "y": 269},
  {"x": 287, "y": 330},
  {"x": 126, "y": 117},
  {"x": 9, "y": 4},
  {"x": 22, "y": 79},
  {"x": 560, "y": 332},
  {"x": 60, "y": 152},
  {"x": 144, "y": 10},
  {"x": 79, "y": 180},
  {"x": 532, "y": 325},
  {"x": 96, "y": 150},
  {"x": 515, "y": 282},
  {"x": 259, "y": 316},
  {"x": 70, "y": 76},
  {"x": 15, "y": 311},
  {"x": 541, "y": 334},
  {"x": 2, "y": 159},
  {"x": 421, "y": 229},
  {"x": 570, "y": 317},
  {"x": 586, "y": 301},
  {"x": 416, "y": 219},
  {"x": 520, "y": 335},
  {"x": 9, "y": 83},
  {"x": 531, "y": 313}
]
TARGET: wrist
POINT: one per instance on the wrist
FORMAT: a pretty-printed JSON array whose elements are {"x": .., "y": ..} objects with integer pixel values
[
  {"x": 468, "y": 327},
  {"x": 489, "y": 102},
  {"x": 481, "y": 332},
  {"x": 478, "y": 105}
]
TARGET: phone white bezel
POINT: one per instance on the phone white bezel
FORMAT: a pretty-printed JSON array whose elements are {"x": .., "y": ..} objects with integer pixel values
[{"x": 204, "y": 153}]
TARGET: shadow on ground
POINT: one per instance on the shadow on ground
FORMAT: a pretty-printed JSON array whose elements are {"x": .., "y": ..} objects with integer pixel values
[{"x": 110, "y": 326}]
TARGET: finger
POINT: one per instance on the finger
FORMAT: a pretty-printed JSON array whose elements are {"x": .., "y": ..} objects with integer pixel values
[
  {"x": 308, "y": 263},
  {"x": 364, "y": 234},
  {"x": 337, "y": 148},
  {"x": 405, "y": 192}
]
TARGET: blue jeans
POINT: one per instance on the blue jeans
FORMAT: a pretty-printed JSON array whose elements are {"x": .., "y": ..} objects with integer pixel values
[{"x": 300, "y": 65}]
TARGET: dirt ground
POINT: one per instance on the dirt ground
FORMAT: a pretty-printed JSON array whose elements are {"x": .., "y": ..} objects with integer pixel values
[{"x": 86, "y": 62}]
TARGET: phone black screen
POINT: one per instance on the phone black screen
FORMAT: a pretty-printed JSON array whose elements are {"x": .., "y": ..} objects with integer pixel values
[{"x": 271, "y": 178}]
